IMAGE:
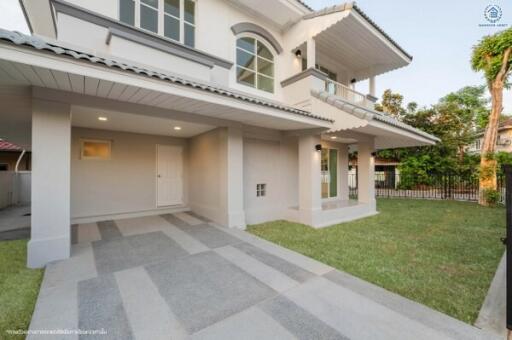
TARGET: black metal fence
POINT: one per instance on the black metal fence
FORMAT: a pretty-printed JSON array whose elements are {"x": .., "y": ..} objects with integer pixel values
[{"x": 460, "y": 187}]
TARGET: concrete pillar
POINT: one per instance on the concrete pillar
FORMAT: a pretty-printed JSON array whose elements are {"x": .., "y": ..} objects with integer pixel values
[
  {"x": 235, "y": 214},
  {"x": 366, "y": 172},
  {"x": 371, "y": 86},
  {"x": 51, "y": 145},
  {"x": 310, "y": 200},
  {"x": 311, "y": 53},
  {"x": 343, "y": 172}
]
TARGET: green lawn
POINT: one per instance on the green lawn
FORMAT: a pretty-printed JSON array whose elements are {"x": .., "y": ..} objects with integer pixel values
[
  {"x": 19, "y": 287},
  {"x": 440, "y": 253}
]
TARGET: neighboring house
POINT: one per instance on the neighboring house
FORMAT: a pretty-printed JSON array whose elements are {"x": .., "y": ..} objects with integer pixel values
[
  {"x": 10, "y": 156},
  {"x": 139, "y": 107},
  {"x": 503, "y": 142}
]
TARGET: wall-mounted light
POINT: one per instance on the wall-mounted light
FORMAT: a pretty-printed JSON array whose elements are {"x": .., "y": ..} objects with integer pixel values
[
  {"x": 298, "y": 54},
  {"x": 333, "y": 137},
  {"x": 318, "y": 147},
  {"x": 177, "y": 128},
  {"x": 102, "y": 119}
]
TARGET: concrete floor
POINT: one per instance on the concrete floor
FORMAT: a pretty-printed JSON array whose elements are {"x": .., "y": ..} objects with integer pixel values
[
  {"x": 179, "y": 277},
  {"x": 14, "y": 217}
]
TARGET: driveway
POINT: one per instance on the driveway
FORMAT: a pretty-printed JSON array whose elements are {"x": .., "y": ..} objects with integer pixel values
[{"x": 178, "y": 276}]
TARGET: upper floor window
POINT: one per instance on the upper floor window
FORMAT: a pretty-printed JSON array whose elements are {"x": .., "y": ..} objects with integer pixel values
[
  {"x": 174, "y": 19},
  {"x": 254, "y": 64}
]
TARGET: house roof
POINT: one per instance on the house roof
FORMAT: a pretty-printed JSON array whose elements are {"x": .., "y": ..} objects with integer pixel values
[
  {"x": 504, "y": 125},
  {"x": 368, "y": 114},
  {"x": 8, "y": 146},
  {"x": 37, "y": 43},
  {"x": 353, "y": 6}
]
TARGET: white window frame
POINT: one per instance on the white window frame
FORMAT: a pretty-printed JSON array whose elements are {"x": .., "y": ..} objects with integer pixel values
[
  {"x": 161, "y": 16},
  {"x": 255, "y": 71},
  {"x": 101, "y": 141}
]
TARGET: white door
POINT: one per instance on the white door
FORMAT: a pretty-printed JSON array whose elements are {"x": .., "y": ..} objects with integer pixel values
[{"x": 169, "y": 174}]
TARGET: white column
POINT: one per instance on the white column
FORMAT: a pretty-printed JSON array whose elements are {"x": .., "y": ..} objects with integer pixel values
[
  {"x": 343, "y": 172},
  {"x": 310, "y": 200},
  {"x": 235, "y": 214},
  {"x": 311, "y": 53},
  {"x": 50, "y": 221},
  {"x": 366, "y": 173},
  {"x": 371, "y": 86}
]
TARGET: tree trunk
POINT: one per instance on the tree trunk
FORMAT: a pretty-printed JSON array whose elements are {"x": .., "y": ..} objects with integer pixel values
[{"x": 488, "y": 162}]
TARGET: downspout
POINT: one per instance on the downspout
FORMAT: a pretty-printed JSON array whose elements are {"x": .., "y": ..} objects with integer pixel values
[
  {"x": 19, "y": 160},
  {"x": 15, "y": 198}
]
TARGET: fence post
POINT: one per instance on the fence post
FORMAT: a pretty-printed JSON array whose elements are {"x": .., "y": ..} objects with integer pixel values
[{"x": 508, "y": 241}]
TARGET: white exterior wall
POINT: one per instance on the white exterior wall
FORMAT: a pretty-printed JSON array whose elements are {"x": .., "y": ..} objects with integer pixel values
[
  {"x": 205, "y": 178},
  {"x": 124, "y": 184},
  {"x": 274, "y": 163},
  {"x": 213, "y": 36},
  {"x": 6, "y": 188}
]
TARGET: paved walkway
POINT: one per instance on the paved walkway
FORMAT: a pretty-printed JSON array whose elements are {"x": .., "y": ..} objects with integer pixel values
[{"x": 178, "y": 276}]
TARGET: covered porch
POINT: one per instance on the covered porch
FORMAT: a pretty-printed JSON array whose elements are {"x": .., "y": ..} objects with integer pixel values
[{"x": 95, "y": 128}]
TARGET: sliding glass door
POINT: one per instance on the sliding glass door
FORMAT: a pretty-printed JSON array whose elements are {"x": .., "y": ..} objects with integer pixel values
[{"x": 329, "y": 173}]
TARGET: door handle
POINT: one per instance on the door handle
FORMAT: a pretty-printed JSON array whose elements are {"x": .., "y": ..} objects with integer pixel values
[{"x": 159, "y": 176}]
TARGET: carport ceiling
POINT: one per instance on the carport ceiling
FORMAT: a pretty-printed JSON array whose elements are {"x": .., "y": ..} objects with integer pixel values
[{"x": 128, "y": 122}]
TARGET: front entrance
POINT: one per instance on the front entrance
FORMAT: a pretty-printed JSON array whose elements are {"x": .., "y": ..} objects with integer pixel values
[
  {"x": 169, "y": 175},
  {"x": 329, "y": 173}
]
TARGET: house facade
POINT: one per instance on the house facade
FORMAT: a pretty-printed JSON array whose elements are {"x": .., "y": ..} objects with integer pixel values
[
  {"x": 503, "y": 141},
  {"x": 240, "y": 111}
]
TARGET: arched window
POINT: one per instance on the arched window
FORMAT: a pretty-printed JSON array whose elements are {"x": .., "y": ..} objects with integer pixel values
[{"x": 254, "y": 64}]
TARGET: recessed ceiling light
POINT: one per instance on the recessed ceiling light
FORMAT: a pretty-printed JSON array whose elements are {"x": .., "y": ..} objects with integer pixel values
[
  {"x": 177, "y": 128},
  {"x": 333, "y": 137},
  {"x": 103, "y": 119}
]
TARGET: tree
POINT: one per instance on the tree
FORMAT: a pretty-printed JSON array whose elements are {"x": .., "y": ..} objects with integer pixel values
[
  {"x": 454, "y": 120},
  {"x": 391, "y": 104},
  {"x": 493, "y": 56}
]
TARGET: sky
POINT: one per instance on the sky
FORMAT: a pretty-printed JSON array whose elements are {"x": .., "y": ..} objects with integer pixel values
[{"x": 439, "y": 34}]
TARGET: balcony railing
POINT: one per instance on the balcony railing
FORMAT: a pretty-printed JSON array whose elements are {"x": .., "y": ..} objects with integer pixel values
[{"x": 347, "y": 93}]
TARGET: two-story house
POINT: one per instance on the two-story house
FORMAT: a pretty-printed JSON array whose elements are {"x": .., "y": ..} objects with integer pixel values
[
  {"x": 241, "y": 111},
  {"x": 503, "y": 141}
]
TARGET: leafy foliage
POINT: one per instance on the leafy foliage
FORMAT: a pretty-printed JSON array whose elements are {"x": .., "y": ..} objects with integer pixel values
[
  {"x": 454, "y": 119},
  {"x": 488, "y": 54}
]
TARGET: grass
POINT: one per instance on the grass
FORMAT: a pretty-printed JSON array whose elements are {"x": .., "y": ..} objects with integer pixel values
[
  {"x": 19, "y": 287},
  {"x": 440, "y": 253}
]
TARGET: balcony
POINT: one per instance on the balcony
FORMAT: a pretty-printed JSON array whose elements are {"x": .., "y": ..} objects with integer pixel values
[
  {"x": 349, "y": 94},
  {"x": 297, "y": 90}
]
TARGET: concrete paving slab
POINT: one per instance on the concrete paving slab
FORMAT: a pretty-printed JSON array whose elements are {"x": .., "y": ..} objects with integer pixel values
[
  {"x": 109, "y": 230},
  {"x": 203, "y": 289},
  {"x": 355, "y": 316},
  {"x": 80, "y": 266},
  {"x": 56, "y": 309},
  {"x": 265, "y": 274},
  {"x": 187, "y": 242},
  {"x": 211, "y": 237},
  {"x": 299, "y": 260},
  {"x": 301, "y": 323},
  {"x": 421, "y": 313},
  {"x": 141, "y": 225},
  {"x": 251, "y": 324},
  {"x": 88, "y": 232},
  {"x": 285, "y": 267},
  {"x": 149, "y": 315},
  {"x": 191, "y": 220},
  {"x": 493, "y": 314},
  {"x": 133, "y": 251},
  {"x": 100, "y": 307}
]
